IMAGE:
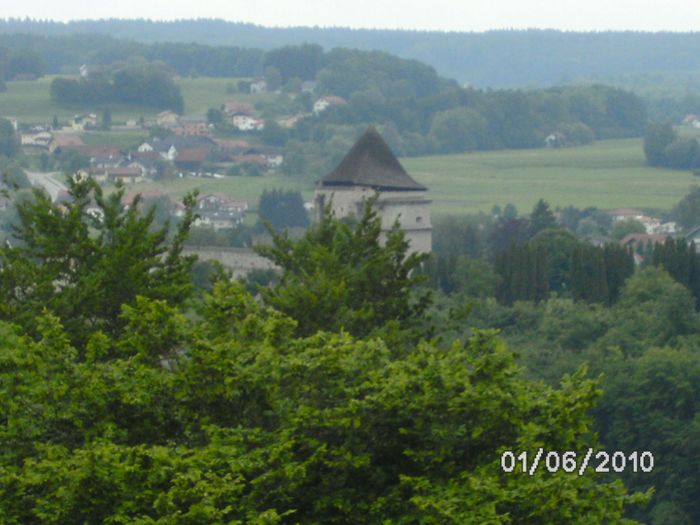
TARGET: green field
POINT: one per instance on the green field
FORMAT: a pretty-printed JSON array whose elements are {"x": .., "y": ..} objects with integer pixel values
[
  {"x": 30, "y": 100},
  {"x": 608, "y": 174}
]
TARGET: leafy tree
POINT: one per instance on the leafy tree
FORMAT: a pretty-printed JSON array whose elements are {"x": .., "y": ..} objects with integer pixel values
[
  {"x": 283, "y": 209},
  {"x": 106, "y": 118},
  {"x": 657, "y": 138},
  {"x": 687, "y": 211},
  {"x": 652, "y": 310},
  {"x": 343, "y": 276},
  {"x": 683, "y": 153},
  {"x": 215, "y": 116},
  {"x": 458, "y": 130},
  {"x": 9, "y": 142},
  {"x": 558, "y": 244},
  {"x": 626, "y": 226},
  {"x": 247, "y": 424},
  {"x": 274, "y": 134},
  {"x": 650, "y": 405},
  {"x": 475, "y": 278},
  {"x": 84, "y": 267}
]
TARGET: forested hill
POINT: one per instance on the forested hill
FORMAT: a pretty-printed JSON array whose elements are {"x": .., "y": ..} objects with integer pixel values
[{"x": 491, "y": 59}]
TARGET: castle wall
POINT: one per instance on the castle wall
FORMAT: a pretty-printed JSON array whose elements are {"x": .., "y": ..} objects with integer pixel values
[{"x": 411, "y": 208}]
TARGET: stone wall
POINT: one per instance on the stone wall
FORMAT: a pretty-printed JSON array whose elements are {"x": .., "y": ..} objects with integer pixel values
[{"x": 237, "y": 260}]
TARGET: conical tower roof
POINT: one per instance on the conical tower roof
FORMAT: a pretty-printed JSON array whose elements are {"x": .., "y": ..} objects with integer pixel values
[{"x": 370, "y": 162}]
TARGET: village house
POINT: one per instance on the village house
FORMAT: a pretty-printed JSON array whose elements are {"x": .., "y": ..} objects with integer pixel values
[
  {"x": 167, "y": 119},
  {"x": 60, "y": 142},
  {"x": 652, "y": 225},
  {"x": 247, "y": 123},
  {"x": 36, "y": 140},
  {"x": 234, "y": 107},
  {"x": 128, "y": 200},
  {"x": 258, "y": 86},
  {"x": 218, "y": 210},
  {"x": 192, "y": 126},
  {"x": 191, "y": 159},
  {"x": 324, "y": 103},
  {"x": 691, "y": 120},
  {"x": 112, "y": 174},
  {"x": 369, "y": 168},
  {"x": 82, "y": 122}
]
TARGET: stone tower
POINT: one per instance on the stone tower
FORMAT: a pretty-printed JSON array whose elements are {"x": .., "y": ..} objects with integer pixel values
[{"x": 370, "y": 167}]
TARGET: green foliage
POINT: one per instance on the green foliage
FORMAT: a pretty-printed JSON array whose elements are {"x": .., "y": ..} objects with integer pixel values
[
  {"x": 650, "y": 403},
  {"x": 558, "y": 244},
  {"x": 626, "y": 226},
  {"x": 460, "y": 129},
  {"x": 683, "y": 153},
  {"x": 106, "y": 119},
  {"x": 230, "y": 420},
  {"x": 541, "y": 218},
  {"x": 657, "y": 138},
  {"x": 136, "y": 83},
  {"x": 680, "y": 259},
  {"x": 283, "y": 209},
  {"x": 687, "y": 211},
  {"x": 589, "y": 280},
  {"x": 653, "y": 310},
  {"x": 83, "y": 267},
  {"x": 341, "y": 276},
  {"x": 523, "y": 274},
  {"x": 9, "y": 141},
  {"x": 475, "y": 278}
]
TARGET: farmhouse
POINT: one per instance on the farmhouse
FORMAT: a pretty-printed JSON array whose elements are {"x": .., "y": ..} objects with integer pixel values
[
  {"x": 324, "y": 102},
  {"x": 370, "y": 167},
  {"x": 60, "y": 142},
  {"x": 191, "y": 126},
  {"x": 166, "y": 119}
]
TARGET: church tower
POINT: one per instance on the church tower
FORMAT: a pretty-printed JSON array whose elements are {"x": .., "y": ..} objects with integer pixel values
[{"x": 370, "y": 167}]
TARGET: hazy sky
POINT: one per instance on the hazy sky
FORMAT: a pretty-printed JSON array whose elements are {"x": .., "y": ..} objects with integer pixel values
[{"x": 451, "y": 15}]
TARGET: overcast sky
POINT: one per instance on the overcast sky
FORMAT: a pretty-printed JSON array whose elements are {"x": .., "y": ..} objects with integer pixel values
[{"x": 449, "y": 15}]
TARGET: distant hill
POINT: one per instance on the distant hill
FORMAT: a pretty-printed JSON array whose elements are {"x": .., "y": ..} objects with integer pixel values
[{"x": 530, "y": 58}]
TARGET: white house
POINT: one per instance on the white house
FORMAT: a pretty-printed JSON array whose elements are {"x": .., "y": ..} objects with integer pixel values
[
  {"x": 324, "y": 103},
  {"x": 247, "y": 123}
]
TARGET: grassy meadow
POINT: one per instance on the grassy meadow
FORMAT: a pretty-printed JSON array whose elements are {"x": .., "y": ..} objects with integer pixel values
[
  {"x": 608, "y": 174},
  {"x": 30, "y": 100}
]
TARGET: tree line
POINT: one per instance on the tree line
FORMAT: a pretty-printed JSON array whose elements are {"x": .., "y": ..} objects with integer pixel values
[
  {"x": 127, "y": 395},
  {"x": 141, "y": 84},
  {"x": 504, "y": 58}
]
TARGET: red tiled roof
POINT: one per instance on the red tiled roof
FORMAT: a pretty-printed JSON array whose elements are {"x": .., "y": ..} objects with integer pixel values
[{"x": 192, "y": 155}]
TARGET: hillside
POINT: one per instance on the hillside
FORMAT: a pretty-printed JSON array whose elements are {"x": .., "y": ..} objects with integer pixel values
[{"x": 495, "y": 58}]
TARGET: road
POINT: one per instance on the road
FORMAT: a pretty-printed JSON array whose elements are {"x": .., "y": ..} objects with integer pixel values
[{"x": 46, "y": 181}]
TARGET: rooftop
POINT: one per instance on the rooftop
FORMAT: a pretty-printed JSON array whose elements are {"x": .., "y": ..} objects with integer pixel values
[{"x": 370, "y": 162}]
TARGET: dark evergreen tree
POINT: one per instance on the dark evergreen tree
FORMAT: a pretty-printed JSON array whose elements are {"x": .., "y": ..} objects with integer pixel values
[
  {"x": 588, "y": 277},
  {"x": 619, "y": 265},
  {"x": 541, "y": 218}
]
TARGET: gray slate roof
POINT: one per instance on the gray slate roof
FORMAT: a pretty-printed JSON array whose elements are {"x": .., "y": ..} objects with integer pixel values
[{"x": 370, "y": 162}]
